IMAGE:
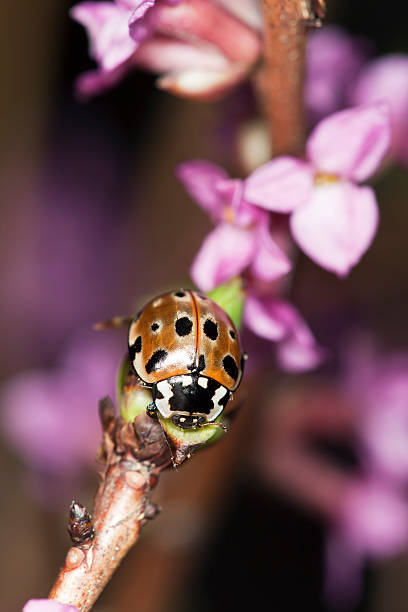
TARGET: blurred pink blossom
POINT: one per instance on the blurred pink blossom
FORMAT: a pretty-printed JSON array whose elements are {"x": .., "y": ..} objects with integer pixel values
[
  {"x": 51, "y": 416},
  {"x": 386, "y": 79},
  {"x": 378, "y": 384},
  {"x": 47, "y": 605},
  {"x": 333, "y": 220},
  {"x": 339, "y": 74},
  {"x": 279, "y": 321},
  {"x": 199, "y": 47},
  {"x": 333, "y": 60}
]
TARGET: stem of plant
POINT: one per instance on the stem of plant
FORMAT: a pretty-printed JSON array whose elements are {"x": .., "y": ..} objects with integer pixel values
[
  {"x": 134, "y": 454},
  {"x": 281, "y": 78}
]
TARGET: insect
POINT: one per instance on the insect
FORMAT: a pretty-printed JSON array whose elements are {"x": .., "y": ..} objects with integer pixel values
[{"x": 186, "y": 349}]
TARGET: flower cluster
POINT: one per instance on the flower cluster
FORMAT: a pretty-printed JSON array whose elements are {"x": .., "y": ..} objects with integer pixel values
[
  {"x": 332, "y": 219},
  {"x": 339, "y": 74},
  {"x": 199, "y": 47}
]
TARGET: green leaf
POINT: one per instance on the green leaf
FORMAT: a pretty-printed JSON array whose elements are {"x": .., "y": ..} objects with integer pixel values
[{"x": 231, "y": 297}]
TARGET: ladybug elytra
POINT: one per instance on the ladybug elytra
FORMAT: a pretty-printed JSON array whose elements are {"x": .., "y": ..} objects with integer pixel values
[{"x": 186, "y": 349}]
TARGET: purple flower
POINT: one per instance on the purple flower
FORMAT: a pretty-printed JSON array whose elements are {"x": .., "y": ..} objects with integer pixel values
[
  {"x": 240, "y": 242},
  {"x": 51, "y": 417},
  {"x": 379, "y": 386},
  {"x": 48, "y": 605},
  {"x": 241, "y": 238},
  {"x": 199, "y": 47},
  {"x": 386, "y": 79},
  {"x": 279, "y": 321},
  {"x": 333, "y": 220},
  {"x": 333, "y": 60}
]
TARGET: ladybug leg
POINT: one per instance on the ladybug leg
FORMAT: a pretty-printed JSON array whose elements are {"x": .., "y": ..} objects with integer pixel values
[
  {"x": 114, "y": 323},
  {"x": 151, "y": 411}
]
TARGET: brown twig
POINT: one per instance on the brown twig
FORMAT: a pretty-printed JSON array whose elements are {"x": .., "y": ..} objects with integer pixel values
[
  {"x": 134, "y": 454},
  {"x": 281, "y": 77}
]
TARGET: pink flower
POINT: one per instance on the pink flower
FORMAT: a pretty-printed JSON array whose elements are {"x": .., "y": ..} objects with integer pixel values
[
  {"x": 51, "y": 417},
  {"x": 333, "y": 220},
  {"x": 333, "y": 60},
  {"x": 378, "y": 384},
  {"x": 386, "y": 79},
  {"x": 48, "y": 605},
  {"x": 373, "y": 517},
  {"x": 241, "y": 238},
  {"x": 279, "y": 321},
  {"x": 200, "y": 48},
  {"x": 242, "y": 241}
]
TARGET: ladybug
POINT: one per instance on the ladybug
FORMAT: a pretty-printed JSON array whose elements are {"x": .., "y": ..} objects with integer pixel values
[{"x": 186, "y": 349}]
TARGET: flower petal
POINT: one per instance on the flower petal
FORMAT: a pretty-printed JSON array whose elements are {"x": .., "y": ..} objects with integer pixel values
[
  {"x": 225, "y": 252},
  {"x": 270, "y": 261},
  {"x": 280, "y": 185},
  {"x": 248, "y": 11},
  {"x": 298, "y": 351},
  {"x": 386, "y": 79},
  {"x": 337, "y": 226},
  {"x": 95, "y": 82},
  {"x": 351, "y": 143},
  {"x": 279, "y": 321},
  {"x": 167, "y": 55},
  {"x": 262, "y": 316},
  {"x": 107, "y": 25},
  {"x": 193, "y": 20},
  {"x": 202, "y": 83},
  {"x": 200, "y": 178},
  {"x": 333, "y": 59},
  {"x": 374, "y": 518}
]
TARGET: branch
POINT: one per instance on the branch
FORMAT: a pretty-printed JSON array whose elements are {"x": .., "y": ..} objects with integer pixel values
[
  {"x": 134, "y": 454},
  {"x": 281, "y": 78}
]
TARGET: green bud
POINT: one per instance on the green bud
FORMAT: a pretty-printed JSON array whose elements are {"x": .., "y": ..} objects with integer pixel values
[
  {"x": 231, "y": 298},
  {"x": 132, "y": 398},
  {"x": 207, "y": 434}
]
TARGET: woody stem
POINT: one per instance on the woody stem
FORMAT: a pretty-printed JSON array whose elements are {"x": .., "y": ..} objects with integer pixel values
[{"x": 281, "y": 78}]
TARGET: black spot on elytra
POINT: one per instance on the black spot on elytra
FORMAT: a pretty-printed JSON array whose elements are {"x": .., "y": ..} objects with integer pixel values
[
  {"x": 155, "y": 359},
  {"x": 211, "y": 329},
  {"x": 230, "y": 366},
  {"x": 201, "y": 363},
  {"x": 135, "y": 348},
  {"x": 183, "y": 326},
  {"x": 179, "y": 294},
  {"x": 154, "y": 326},
  {"x": 232, "y": 334}
]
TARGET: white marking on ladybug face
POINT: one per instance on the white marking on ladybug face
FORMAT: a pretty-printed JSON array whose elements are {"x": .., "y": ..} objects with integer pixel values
[
  {"x": 163, "y": 405},
  {"x": 219, "y": 394},
  {"x": 203, "y": 382},
  {"x": 185, "y": 380}
]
